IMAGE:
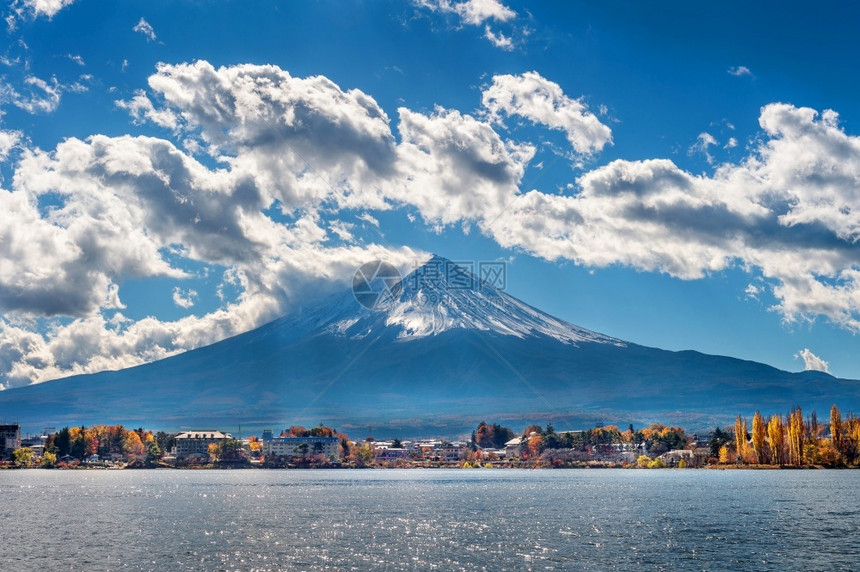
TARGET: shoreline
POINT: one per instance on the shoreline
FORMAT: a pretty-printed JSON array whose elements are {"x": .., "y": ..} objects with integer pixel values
[{"x": 246, "y": 467}]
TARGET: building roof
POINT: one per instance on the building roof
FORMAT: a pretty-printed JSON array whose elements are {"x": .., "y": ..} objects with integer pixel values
[
  {"x": 513, "y": 442},
  {"x": 305, "y": 440},
  {"x": 204, "y": 434}
]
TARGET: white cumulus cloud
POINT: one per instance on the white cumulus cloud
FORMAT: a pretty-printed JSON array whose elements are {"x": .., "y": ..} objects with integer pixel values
[
  {"x": 812, "y": 362},
  {"x": 542, "y": 101}
]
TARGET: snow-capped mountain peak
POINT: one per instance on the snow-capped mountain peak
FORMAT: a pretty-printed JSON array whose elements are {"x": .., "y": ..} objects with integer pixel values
[{"x": 441, "y": 296}]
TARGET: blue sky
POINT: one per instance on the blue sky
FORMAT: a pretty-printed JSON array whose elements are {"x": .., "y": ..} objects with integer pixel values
[{"x": 675, "y": 174}]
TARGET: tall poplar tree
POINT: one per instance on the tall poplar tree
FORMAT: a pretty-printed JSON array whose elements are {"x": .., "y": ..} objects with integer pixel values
[
  {"x": 836, "y": 429},
  {"x": 759, "y": 434},
  {"x": 776, "y": 437},
  {"x": 741, "y": 443}
]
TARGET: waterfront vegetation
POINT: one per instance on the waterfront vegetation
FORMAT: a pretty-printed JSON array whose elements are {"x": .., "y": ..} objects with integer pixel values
[{"x": 778, "y": 441}]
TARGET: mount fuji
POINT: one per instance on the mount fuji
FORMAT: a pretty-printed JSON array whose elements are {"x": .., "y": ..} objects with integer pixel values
[{"x": 433, "y": 353}]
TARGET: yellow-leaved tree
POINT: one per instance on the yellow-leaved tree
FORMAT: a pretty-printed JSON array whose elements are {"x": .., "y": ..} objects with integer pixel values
[
  {"x": 836, "y": 430},
  {"x": 776, "y": 438},
  {"x": 132, "y": 445},
  {"x": 741, "y": 443},
  {"x": 759, "y": 437},
  {"x": 795, "y": 437}
]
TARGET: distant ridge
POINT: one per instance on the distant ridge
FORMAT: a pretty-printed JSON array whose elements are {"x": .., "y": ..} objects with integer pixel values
[{"x": 437, "y": 358}]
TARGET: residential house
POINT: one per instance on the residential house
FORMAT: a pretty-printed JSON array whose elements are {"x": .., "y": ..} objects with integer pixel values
[{"x": 512, "y": 448}]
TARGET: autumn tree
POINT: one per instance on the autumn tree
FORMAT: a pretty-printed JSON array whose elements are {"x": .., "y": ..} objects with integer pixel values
[
  {"x": 532, "y": 429},
  {"x": 94, "y": 437},
  {"x": 492, "y": 436},
  {"x": 657, "y": 436},
  {"x": 227, "y": 450},
  {"x": 321, "y": 431},
  {"x": 23, "y": 456},
  {"x": 725, "y": 454},
  {"x": 362, "y": 456},
  {"x": 759, "y": 437},
  {"x": 49, "y": 460},
  {"x": 836, "y": 429},
  {"x": 795, "y": 437},
  {"x": 852, "y": 439},
  {"x": 741, "y": 443},
  {"x": 776, "y": 439},
  {"x": 534, "y": 446},
  {"x": 78, "y": 447},
  {"x": 298, "y": 431},
  {"x": 344, "y": 445},
  {"x": 133, "y": 446}
]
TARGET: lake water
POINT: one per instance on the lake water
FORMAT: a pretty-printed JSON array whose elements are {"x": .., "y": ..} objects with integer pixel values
[{"x": 430, "y": 520}]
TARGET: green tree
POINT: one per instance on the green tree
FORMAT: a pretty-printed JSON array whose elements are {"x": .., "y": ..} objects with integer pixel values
[
  {"x": 165, "y": 441},
  {"x": 49, "y": 460},
  {"x": 63, "y": 442},
  {"x": 718, "y": 439},
  {"x": 228, "y": 450},
  {"x": 153, "y": 454}
]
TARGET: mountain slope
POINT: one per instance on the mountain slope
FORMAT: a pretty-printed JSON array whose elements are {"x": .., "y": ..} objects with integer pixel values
[{"x": 435, "y": 359}]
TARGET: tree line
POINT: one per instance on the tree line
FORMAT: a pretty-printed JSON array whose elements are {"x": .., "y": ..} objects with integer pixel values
[{"x": 792, "y": 440}]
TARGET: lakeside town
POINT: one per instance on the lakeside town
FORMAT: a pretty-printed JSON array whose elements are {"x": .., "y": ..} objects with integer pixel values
[{"x": 791, "y": 440}]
